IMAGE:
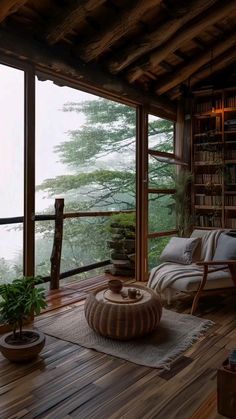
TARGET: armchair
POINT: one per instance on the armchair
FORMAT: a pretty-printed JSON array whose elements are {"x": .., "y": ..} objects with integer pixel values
[{"x": 207, "y": 272}]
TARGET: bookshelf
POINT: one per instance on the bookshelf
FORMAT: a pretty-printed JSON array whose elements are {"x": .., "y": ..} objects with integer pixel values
[{"x": 214, "y": 159}]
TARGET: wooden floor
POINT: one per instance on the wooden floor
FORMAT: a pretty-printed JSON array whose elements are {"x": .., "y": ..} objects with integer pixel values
[{"x": 68, "y": 381}]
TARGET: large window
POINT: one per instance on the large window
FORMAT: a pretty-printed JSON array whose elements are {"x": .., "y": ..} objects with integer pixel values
[
  {"x": 85, "y": 153},
  {"x": 85, "y": 149},
  {"x": 12, "y": 171}
]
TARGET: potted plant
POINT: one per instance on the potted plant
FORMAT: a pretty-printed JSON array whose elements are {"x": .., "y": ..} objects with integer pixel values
[{"x": 18, "y": 301}]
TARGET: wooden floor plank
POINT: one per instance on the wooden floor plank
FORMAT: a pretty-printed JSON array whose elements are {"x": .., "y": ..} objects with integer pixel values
[{"x": 68, "y": 381}]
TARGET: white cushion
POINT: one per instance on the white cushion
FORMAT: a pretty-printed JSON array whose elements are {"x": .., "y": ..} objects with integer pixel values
[
  {"x": 215, "y": 280},
  {"x": 180, "y": 250}
]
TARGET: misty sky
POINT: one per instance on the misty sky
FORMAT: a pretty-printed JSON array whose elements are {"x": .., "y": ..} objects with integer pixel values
[{"x": 51, "y": 127}]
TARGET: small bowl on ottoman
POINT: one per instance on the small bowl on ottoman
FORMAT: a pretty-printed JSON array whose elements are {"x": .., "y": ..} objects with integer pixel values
[{"x": 115, "y": 285}]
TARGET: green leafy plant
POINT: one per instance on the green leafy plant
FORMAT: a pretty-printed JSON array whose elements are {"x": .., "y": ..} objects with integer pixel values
[
  {"x": 123, "y": 220},
  {"x": 19, "y": 300}
]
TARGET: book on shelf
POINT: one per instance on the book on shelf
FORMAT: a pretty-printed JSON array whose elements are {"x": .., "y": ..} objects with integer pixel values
[
  {"x": 208, "y": 178},
  {"x": 208, "y": 221},
  {"x": 209, "y": 156},
  {"x": 207, "y": 106},
  {"x": 230, "y": 200},
  {"x": 230, "y": 102},
  {"x": 231, "y": 223},
  {"x": 209, "y": 200}
]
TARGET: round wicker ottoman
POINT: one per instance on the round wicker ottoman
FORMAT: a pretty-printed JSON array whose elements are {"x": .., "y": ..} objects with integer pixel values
[{"x": 123, "y": 320}]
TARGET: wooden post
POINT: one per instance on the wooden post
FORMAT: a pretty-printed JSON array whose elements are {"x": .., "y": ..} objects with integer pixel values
[
  {"x": 57, "y": 245},
  {"x": 29, "y": 173},
  {"x": 141, "y": 195}
]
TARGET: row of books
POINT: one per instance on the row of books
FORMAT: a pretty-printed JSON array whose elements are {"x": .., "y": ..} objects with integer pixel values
[
  {"x": 231, "y": 154},
  {"x": 230, "y": 200},
  {"x": 202, "y": 199},
  {"x": 230, "y": 175},
  {"x": 209, "y": 156},
  {"x": 230, "y": 125},
  {"x": 208, "y": 126},
  {"x": 208, "y": 221},
  {"x": 205, "y": 178},
  {"x": 207, "y": 106},
  {"x": 230, "y": 102},
  {"x": 231, "y": 223}
]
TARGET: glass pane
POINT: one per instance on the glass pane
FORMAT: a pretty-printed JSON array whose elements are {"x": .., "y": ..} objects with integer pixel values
[
  {"x": 85, "y": 150},
  {"x": 44, "y": 234},
  {"x": 161, "y": 174},
  {"x": 84, "y": 242},
  {"x": 11, "y": 251},
  {"x": 160, "y": 134},
  {"x": 12, "y": 142},
  {"x": 155, "y": 247},
  {"x": 161, "y": 213}
]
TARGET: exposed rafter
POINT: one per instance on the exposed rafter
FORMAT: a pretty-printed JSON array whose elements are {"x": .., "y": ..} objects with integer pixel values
[
  {"x": 184, "y": 71},
  {"x": 179, "y": 54},
  {"x": 7, "y": 7},
  {"x": 191, "y": 30},
  {"x": 66, "y": 18},
  {"x": 124, "y": 23},
  {"x": 221, "y": 62},
  {"x": 199, "y": 43},
  {"x": 59, "y": 60},
  {"x": 147, "y": 43}
]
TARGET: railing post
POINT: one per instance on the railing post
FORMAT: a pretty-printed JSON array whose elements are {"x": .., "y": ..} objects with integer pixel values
[{"x": 57, "y": 245}]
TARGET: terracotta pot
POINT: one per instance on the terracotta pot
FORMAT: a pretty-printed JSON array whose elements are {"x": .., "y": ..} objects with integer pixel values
[{"x": 22, "y": 352}]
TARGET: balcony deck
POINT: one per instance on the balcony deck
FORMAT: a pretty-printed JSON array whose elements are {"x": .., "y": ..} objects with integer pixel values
[{"x": 69, "y": 381}]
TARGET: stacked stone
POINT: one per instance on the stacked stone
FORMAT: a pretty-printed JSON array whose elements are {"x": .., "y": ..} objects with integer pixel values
[{"x": 122, "y": 245}]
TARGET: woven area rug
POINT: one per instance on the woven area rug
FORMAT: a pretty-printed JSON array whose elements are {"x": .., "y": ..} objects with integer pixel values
[{"x": 176, "y": 333}]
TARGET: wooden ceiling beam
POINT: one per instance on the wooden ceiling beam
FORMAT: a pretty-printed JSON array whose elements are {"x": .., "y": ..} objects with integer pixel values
[
  {"x": 168, "y": 67},
  {"x": 181, "y": 55},
  {"x": 220, "y": 63},
  {"x": 146, "y": 43},
  {"x": 67, "y": 18},
  {"x": 58, "y": 60},
  {"x": 7, "y": 7},
  {"x": 183, "y": 72},
  {"x": 200, "y": 44},
  {"x": 216, "y": 13},
  {"x": 114, "y": 31}
]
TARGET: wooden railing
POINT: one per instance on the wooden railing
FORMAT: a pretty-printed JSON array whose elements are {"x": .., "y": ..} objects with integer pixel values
[{"x": 59, "y": 216}]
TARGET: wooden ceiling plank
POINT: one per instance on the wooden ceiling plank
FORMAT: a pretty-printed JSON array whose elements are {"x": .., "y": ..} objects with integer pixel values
[
  {"x": 68, "y": 17},
  {"x": 186, "y": 70},
  {"x": 58, "y": 60},
  {"x": 215, "y": 14},
  {"x": 147, "y": 43},
  {"x": 7, "y": 7},
  {"x": 114, "y": 31}
]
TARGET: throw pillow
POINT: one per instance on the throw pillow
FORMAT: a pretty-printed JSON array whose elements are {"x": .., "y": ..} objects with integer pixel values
[
  {"x": 226, "y": 248},
  {"x": 180, "y": 250}
]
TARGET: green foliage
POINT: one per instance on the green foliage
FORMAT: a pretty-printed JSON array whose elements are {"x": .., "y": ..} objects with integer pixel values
[
  {"x": 19, "y": 300},
  {"x": 123, "y": 220}
]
